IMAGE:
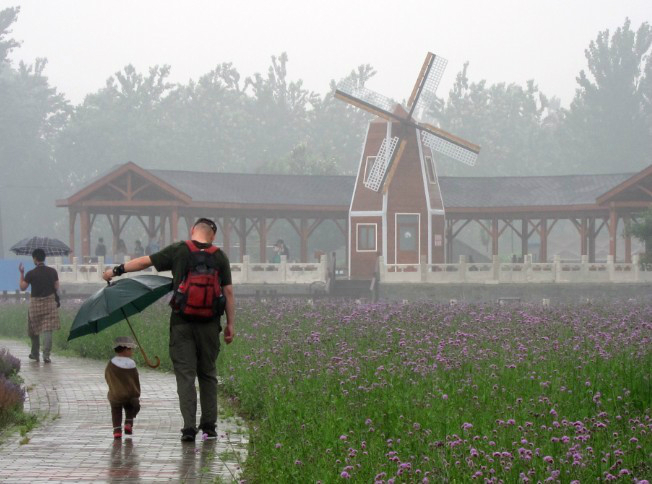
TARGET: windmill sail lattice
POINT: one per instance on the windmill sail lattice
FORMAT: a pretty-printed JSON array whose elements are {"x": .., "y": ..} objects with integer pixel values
[
  {"x": 379, "y": 168},
  {"x": 429, "y": 85},
  {"x": 423, "y": 95},
  {"x": 446, "y": 148}
]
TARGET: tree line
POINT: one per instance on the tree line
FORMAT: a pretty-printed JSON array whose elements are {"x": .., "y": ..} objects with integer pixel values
[{"x": 270, "y": 123}]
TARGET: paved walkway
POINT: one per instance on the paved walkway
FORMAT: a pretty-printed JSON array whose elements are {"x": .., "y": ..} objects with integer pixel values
[{"x": 74, "y": 440}]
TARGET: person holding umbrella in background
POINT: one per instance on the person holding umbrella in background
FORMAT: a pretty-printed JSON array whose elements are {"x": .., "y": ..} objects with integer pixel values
[
  {"x": 194, "y": 329},
  {"x": 43, "y": 317}
]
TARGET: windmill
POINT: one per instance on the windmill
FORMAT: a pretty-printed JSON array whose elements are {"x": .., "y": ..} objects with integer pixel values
[
  {"x": 398, "y": 212},
  {"x": 423, "y": 93}
]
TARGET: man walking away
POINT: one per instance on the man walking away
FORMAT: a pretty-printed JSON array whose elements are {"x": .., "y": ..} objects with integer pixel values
[
  {"x": 194, "y": 329},
  {"x": 100, "y": 248},
  {"x": 43, "y": 317}
]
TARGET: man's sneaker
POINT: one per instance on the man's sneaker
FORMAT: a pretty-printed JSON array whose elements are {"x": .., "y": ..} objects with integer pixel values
[
  {"x": 32, "y": 357},
  {"x": 188, "y": 434},
  {"x": 209, "y": 433},
  {"x": 129, "y": 429}
]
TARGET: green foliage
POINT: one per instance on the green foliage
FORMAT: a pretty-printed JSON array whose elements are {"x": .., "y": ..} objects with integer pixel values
[
  {"x": 610, "y": 120},
  {"x": 642, "y": 230},
  {"x": 515, "y": 127}
]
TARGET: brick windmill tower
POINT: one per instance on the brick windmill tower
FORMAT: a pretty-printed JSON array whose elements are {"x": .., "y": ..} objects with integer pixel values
[{"x": 397, "y": 209}]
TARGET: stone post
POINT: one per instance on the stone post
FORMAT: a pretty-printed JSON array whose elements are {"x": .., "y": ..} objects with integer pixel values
[
  {"x": 610, "y": 267},
  {"x": 495, "y": 259},
  {"x": 245, "y": 268},
  {"x": 636, "y": 263},
  {"x": 423, "y": 269},
  {"x": 462, "y": 268},
  {"x": 283, "y": 269},
  {"x": 556, "y": 264},
  {"x": 75, "y": 268}
]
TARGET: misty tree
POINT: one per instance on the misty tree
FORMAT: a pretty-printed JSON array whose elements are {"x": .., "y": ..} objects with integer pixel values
[
  {"x": 32, "y": 114},
  {"x": 642, "y": 230},
  {"x": 120, "y": 122},
  {"x": 514, "y": 125},
  {"x": 609, "y": 125}
]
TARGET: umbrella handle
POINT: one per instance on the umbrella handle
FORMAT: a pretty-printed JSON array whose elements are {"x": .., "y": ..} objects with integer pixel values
[{"x": 142, "y": 351}]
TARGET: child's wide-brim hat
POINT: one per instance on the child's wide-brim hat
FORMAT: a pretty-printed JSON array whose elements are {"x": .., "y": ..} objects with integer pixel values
[{"x": 125, "y": 342}]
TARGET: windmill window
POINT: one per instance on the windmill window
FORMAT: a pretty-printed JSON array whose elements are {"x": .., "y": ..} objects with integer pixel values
[
  {"x": 430, "y": 169},
  {"x": 369, "y": 164},
  {"x": 366, "y": 241}
]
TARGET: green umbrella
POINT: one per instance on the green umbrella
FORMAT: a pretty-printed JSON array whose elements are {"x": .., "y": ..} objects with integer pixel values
[{"x": 118, "y": 301}]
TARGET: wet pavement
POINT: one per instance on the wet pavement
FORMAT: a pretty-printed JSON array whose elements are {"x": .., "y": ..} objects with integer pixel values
[{"x": 74, "y": 440}]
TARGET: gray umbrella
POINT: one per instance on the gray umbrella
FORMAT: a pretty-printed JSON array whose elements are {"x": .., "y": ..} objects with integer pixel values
[{"x": 50, "y": 246}]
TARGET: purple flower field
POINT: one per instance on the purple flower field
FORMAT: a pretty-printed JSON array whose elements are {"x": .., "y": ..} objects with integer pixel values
[{"x": 427, "y": 393}]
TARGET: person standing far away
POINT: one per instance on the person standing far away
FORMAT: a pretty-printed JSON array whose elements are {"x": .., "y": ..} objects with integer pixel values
[
  {"x": 194, "y": 338},
  {"x": 100, "y": 248},
  {"x": 42, "y": 315},
  {"x": 283, "y": 249},
  {"x": 139, "y": 251}
]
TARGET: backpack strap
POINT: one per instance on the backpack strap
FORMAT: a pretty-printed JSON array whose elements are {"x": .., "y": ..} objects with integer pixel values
[{"x": 193, "y": 248}]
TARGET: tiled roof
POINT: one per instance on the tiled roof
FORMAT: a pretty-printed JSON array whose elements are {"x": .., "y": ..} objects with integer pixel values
[
  {"x": 526, "y": 191},
  {"x": 245, "y": 188}
]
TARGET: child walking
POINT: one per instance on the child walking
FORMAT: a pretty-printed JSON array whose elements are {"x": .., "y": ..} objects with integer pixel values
[{"x": 121, "y": 375}]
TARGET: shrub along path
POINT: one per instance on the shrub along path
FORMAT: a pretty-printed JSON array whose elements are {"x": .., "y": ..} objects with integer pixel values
[{"x": 74, "y": 441}]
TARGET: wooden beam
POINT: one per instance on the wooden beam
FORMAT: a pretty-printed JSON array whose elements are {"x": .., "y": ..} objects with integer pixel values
[
  {"x": 543, "y": 234},
  {"x": 72, "y": 216},
  {"x": 85, "y": 234},
  {"x": 494, "y": 236},
  {"x": 394, "y": 165},
  {"x": 524, "y": 238},
  {"x": 118, "y": 189},
  {"x": 613, "y": 224}
]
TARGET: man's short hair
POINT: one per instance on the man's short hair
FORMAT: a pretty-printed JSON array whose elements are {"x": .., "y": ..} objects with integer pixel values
[
  {"x": 207, "y": 222},
  {"x": 38, "y": 255}
]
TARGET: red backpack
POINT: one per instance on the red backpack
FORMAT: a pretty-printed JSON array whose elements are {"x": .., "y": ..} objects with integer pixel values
[{"x": 199, "y": 297}]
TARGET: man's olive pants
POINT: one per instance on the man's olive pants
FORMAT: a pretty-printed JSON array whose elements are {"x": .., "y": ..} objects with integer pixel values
[{"x": 193, "y": 350}]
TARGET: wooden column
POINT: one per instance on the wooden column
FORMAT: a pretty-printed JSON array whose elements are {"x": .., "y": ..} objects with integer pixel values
[
  {"x": 591, "y": 241},
  {"x": 304, "y": 239},
  {"x": 449, "y": 241},
  {"x": 72, "y": 217},
  {"x": 524, "y": 237},
  {"x": 262, "y": 233},
  {"x": 613, "y": 225},
  {"x": 543, "y": 233},
  {"x": 115, "y": 231},
  {"x": 226, "y": 224},
  {"x": 494, "y": 236},
  {"x": 151, "y": 227},
  {"x": 243, "y": 237},
  {"x": 174, "y": 225},
  {"x": 583, "y": 236},
  {"x": 162, "y": 233},
  {"x": 85, "y": 228},
  {"x": 628, "y": 239}
]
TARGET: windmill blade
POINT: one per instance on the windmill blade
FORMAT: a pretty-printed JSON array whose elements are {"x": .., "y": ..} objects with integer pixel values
[
  {"x": 363, "y": 98},
  {"x": 448, "y": 145},
  {"x": 392, "y": 170},
  {"x": 379, "y": 169},
  {"x": 427, "y": 83}
]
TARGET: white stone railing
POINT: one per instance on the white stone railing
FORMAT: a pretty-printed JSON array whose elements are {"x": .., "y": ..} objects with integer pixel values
[
  {"x": 280, "y": 273},
  {"x": 497, "y": 272},
  {"x": 241, "y": 273}
]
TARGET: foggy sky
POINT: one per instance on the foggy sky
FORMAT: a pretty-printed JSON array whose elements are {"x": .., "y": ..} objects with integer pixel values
[{"x": 86, "y": 41}]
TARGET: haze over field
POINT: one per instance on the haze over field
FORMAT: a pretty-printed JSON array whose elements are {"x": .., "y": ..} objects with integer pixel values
[
  {"x": 545, "y": 89},
  {"x": 504, "y": 40}
]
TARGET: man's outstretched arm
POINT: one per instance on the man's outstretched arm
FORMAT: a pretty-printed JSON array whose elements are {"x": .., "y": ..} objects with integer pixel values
[{"x": 134, "y": 265}]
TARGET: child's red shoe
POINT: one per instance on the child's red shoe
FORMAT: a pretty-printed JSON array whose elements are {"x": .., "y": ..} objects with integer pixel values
[
  {"x": 117, "y": 433},
  {"x": 129, "y": 429}
]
